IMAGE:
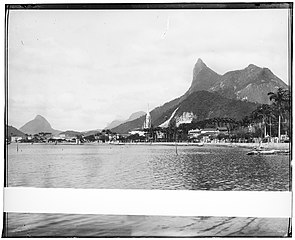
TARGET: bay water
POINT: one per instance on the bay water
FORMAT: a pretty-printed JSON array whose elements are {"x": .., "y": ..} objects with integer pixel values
[{"x": 104, "y": 166}]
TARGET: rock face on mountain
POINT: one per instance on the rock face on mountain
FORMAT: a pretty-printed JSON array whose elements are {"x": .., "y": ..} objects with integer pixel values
[
  {"x": 234, "y": 95},
  {"x": 251, "y": 84},
  {"x": 204, "y": 78},
  {"x": 37, "y": 125}
]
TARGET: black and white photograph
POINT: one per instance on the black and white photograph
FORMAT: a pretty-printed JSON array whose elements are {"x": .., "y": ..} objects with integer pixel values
[{"x": 159, "y": 120}]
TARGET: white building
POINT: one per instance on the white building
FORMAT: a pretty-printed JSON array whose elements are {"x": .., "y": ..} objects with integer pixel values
[
  {"x": 139, "y": 132},
  {"x": 15, "y": 138},
  {"x": 194, "y": 133}
]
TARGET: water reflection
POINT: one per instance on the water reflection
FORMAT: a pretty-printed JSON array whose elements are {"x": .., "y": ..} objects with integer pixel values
[{"x": 145, "y": 167}]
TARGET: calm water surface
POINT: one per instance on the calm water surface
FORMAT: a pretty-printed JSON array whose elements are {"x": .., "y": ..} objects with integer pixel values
[{"x": 145, "y": 167}]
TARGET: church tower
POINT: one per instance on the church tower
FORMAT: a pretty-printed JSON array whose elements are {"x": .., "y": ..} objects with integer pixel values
[{"x": 148, "y": 120}]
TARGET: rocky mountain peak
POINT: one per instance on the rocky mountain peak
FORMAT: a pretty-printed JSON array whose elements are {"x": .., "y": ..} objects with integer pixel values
[
  {"x": 37, "y": 125},
  {"x": 200, "y": 62},
  {"x": 42, "y": 120},
  {"x": 203, "y": 77},
  {"x": 199, "y": 66},
  {"x": 39, "y": 117}
]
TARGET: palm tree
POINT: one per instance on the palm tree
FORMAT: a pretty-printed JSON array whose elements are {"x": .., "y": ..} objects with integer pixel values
[
  {"x": 263, "y": 112},
  {"x": 271, "y": 115},
  {"x": 281, "y": 101}
]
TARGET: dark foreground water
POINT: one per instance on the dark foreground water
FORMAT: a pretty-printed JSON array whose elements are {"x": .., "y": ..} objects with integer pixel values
[
  {"x": 73, "y": 225},
  {"x": 143, "y": 167}
]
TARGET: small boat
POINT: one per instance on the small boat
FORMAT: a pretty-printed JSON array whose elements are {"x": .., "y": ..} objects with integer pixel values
[
  {"x": 261, "y": 152},
  {"x": 268, "y": 152}
]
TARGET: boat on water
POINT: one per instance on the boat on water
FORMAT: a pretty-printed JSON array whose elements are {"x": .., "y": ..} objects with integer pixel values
[{"x": 268, "y": 152}]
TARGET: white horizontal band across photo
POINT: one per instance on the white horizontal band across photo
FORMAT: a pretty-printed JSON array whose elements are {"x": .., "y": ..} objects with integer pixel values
[{"x": 148, "y": 202}]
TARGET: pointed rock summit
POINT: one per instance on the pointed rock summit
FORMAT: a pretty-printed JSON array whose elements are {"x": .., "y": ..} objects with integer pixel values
[
  {"x": 203, "y": 77},
  {"x": 37, "y": 125},
  {"x": 199, "y": 66}
]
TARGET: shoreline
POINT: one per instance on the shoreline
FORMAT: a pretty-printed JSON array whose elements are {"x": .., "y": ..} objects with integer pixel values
[{"x": 279, "y": 146}]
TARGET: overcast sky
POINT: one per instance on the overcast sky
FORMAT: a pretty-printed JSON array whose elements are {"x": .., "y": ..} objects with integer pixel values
[{"x": 83, "y": 69}]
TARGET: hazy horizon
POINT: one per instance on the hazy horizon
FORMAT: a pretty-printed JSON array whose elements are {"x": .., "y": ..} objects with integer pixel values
[{"x": 83, "y": 69}]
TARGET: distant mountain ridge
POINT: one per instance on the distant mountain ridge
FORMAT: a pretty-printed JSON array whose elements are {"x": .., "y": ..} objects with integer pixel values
[
  {"x": 117, "y": 122},
  {"x": 114, "y": 123},
  {"x": 37, "y": 125},
  {"x": 235, "y": 94},
  {"x": 40, "y": 124}
]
